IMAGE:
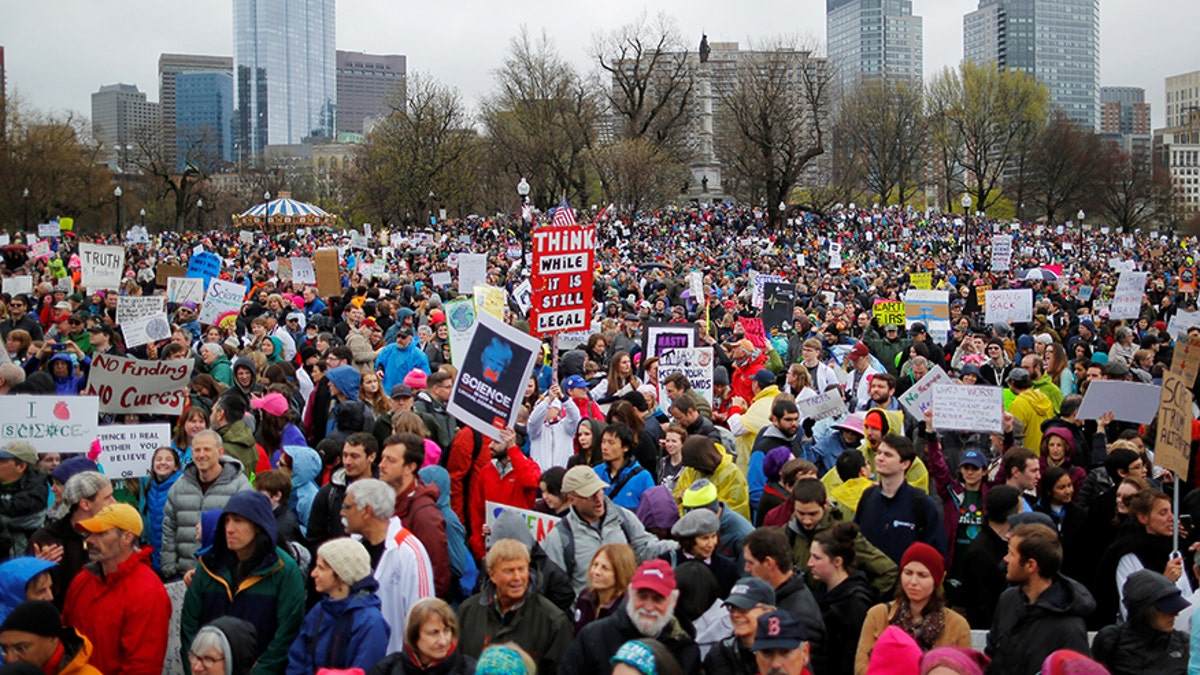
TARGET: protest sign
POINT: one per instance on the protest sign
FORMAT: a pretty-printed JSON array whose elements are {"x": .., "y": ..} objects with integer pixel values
[
  {"x": 327, "y": 275},
  {"x": 489, "y": 388},
  {"x": 246, "y": 237},
  {"x": 472, "y": 272},
  {"x": 49, "y": 230},
  {"x": 64, "y": 284},
  {"x": 162, "y": 273},
  {"x": 490, "y": 300},
  {"x": 759, "y": 282},
  {"x": 696, "y": 363},
  {"x": 1127, "y": 301},
  {"x": 981, "y": 295},
  {"x": 1187, "y": 280},
  {"x": 1173, "y": 444},
  {"x": 658, "y": 337},
  {"x": 931, "y": 308},
  {"x": 920, "y": 396},
  {"x": 1001, "y": 253},
  {"x": 127, "y": 385},
  {"x": 922, "y": 281},
  {"x": 561, "y": 281},
  {"x": 18, "y": 284},
  {"x": 696, "y": 287},
  {"x": 130, "y": 307},
  {"x": 539, "y": 524},
  {"x": 889, "y": 313},
  {"x": 40, "y": 249},
  {"x": 778, "y": 300},
  {"x": 460, "y": 321},
  {"x": 961, "y": 407},
  {"x": 182, "y": 289},
  {"x": 64, "y": 424},
  {"x": 222, "y": 297},
  {"x": 823, "y": 405},
  {"x": 205, "y": 265},
  {"x": 146, "y": 329},
  {"x": 1016, "y": 305},
  {"x": 523, "y": 295},
  {"x": 1180, "y": 323},
  {"x": 303, "y": 271},
  {"x": 755, "y": 331},
  {"x": 1128, "y": 401},
  {"x": 127, "y": 450},
  {"x": 440, "y": 279},
  {"x": 283, "y": 267},
  {"x": 1084, "y": 294},
  {"x": 101, "y": 266}
]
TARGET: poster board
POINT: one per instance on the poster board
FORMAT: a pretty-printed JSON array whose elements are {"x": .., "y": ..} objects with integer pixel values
[
  {"x": 101, "y": 266},
  {"x": 488, "y": 390},
  {"x": 328, "y": 276},
  {"x": 1015, "y": 305},
  {"x": 162, "y": 273},
  {"x": 303, "y": 271},
  {"x": 561, "y": 280},
  {"x": 132, "y": 308},
  {"x": 182, "y": 289},
  {"x": 889, "y": 312},
  {"x": 1127, "y": 300},
  {"x": 222, "y": 297},
  {"x": 962, "y": 407},
  {"x": 539, "y": 524},
  {"x": 127, "y": 450},
  {"x": 696, "y": 363},
  {"x": 1128, "y": 401},
  {"x": 778, "y": 300},
  {"x": 917, "y": 399},
  {"x": 204, "y": 265},
  {"x": 65, "y": 424},
  {"x": 657, "y": 337},
  {"x": 472, "y": 272},
  {"x": 460, "y": 322},
  {"x": 128, "y": 385}
]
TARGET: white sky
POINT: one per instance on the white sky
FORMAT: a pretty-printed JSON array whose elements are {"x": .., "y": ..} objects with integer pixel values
[{"x": 60, "y": 51}]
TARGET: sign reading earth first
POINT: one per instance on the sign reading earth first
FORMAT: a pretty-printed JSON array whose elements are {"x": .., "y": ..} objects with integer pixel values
[{"x": 563, "y": 265}]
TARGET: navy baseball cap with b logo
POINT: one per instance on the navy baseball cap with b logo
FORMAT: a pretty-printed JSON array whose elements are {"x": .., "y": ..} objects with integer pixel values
[{"x": 778, "y": 630}]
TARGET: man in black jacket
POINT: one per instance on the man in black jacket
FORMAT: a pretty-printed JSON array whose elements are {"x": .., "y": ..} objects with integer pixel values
[
  {"x": 769, "y": 557},
  {"x": 358, "y": 459},
  {"x": 1043, "y": 612},
  {"x": 1148, "y": 641},
  {"x": 750, "y": 598},
  {"x": 648, "y": 613}
]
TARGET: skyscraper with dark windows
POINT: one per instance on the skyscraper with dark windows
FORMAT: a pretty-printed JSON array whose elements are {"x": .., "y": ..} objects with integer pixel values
[{"x": 873, "y": 39}]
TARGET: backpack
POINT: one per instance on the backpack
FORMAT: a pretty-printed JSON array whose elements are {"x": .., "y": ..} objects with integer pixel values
[{"x": 568, "y": 537}]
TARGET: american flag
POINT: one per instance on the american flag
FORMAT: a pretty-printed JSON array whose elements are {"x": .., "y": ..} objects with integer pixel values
[{"x": 564, "y": 215}]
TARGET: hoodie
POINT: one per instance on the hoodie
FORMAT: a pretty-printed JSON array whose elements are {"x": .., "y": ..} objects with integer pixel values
[
  {"x": 342, "y": 634},
  {"x": 15, "y": 575},
  {"x": 461, "y": 562},
  {"x": 1077, "y": 474},
  {"x": 306, "y": 465},
  {"x": 70, "y": 385},
  {"x": 1031, "y": 407},
  {"x": 268, "y": 591},
  {"x": 419, "y": 512},
  {"x": 238, "y": 639},
  {"x": 1135, "y": 646}
]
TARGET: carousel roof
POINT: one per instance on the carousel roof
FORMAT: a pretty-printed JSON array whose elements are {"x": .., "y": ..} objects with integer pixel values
[{"x": 283, "y": 210}]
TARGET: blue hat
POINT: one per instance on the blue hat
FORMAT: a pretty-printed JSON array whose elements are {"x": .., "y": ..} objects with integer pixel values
[
  {"x": 69, "y": 467},
  {"x": 575, "y": 382},
  {"x": 1025, "y": 342},
  {"x": 764, "y": 378},
  {"x": 638, "y": 656},
  {"x": 975, "y": 458},
  {"x": 778, "y": 630}
]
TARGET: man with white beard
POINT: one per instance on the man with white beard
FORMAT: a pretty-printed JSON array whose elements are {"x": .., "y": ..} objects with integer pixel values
[{"x": 649, "y": 613}]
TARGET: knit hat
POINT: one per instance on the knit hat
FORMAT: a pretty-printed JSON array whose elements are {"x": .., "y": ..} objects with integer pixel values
[
  {"x": 69, "y": 467},
  {"x": 37, "y": 617},
  {"x": 1067, "y": 662},
  {"x": 348, "y": 558},
  {"x": 416, "y": 378},
  {"x": 500, "y": 661},
  {"x": 84, "y": 485},
  {"x": 347, "y": 379},
  {"x": 720, "y": 376},
  {"x": 959, "y": 659},
  {"x": 927, "y": 556},
  {"x": 700, "y": 494},
  {"x": 875, "y": 419},
  {"x": 638, "y": 656},
  {"x": 773, "y": 463},
  {"x": 895, "y": 652}
]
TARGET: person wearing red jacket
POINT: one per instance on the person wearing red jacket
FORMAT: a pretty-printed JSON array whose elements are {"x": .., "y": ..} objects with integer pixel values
[
  {"x": 746, "y": 362},
  {"x": 416, "y": 503},
  {"x": 468, "y": 457},
  {"x": 510, "y": 478},
  {"x": 117, "y": 601}
]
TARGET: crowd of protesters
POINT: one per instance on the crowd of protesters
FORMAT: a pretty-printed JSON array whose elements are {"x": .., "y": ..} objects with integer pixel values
[{"x": 326, "y": 511}]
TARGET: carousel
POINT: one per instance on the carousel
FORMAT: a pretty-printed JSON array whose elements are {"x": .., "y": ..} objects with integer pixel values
[{"x": 283, "y": 212}]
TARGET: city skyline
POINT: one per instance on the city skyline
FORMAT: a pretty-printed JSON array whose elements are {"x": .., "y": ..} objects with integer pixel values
[{"x": 124, "y": 46}]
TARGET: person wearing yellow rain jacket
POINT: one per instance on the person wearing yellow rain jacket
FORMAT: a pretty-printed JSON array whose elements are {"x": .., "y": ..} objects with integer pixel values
[
  {"x": 704, "y": 459},
  {"x": 876, "y": 424},
  {"x": 1030, "y": 406}
]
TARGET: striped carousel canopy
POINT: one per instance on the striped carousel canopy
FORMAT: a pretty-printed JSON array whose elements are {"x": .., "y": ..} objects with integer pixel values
[{"x": 283, "y": 210}]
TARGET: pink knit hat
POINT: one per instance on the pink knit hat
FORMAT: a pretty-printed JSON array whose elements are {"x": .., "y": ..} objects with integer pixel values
[
  {"x": 273, "y": 403},
  {"x": 895, "y": 652},
  {"x": 416, "y": 378}
]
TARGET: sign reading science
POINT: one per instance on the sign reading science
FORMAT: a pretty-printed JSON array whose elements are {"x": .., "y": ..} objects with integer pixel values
[
  {"x": 563, "y": 265},
  {"x": 51, "y": 423},
  {"x": 497, "y": 363},
  {"x": 125, "y": 385}
]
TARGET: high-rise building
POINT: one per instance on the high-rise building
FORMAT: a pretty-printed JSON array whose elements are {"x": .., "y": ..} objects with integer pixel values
[
  {"x": 873, "y": 39},
  {"x": 366, "y": 85},
  {"x": 1177, "y": 152},
  {"x": 204, "y": 119},
  {"x": 284, "y": 72},
  {"x": 1124, "y": 111},
  {"x": 1056, "y": 41},
  {"x": 122, "y": 121},
  {"x": 1183, "y": 96},
  {"x": 171, "y": 65},
  {"x": 3, "y": 97}
]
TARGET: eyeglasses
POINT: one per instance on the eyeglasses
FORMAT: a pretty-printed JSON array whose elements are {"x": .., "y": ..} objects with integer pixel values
[
  {"x": 206, "y": 661},
  {"x": 16, "y": 648}
]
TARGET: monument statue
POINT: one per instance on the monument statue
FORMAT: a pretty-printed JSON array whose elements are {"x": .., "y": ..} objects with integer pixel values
[{"x": 705, "y": 50}]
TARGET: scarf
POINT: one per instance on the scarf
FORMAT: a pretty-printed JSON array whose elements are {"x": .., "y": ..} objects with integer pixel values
[{"x": 927, "y": 632}]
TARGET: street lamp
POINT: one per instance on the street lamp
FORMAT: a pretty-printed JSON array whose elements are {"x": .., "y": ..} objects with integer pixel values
[
  {"x": 523, "y": 190},
  {"x": 25, "y": 208},
  {"x": 1080, "y": 217},
  {"x": 266, "y": 196},
  {"x": 526, "y": 215},
  {"x": 117, "y": 193},
  {"x": 966, "y": 203},
  {"x": 431, "y": 220},
  {"x": 199, "y": 215},
  {"x": 142, "y": 213}
]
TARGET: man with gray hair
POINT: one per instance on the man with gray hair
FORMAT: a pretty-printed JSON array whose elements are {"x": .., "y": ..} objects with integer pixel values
[
  {"x": 10, "y": 375},
  {"x": 83, "y": 496},
  {"x": 207, "y": 483},
  {"x": 400, "y": 561}
]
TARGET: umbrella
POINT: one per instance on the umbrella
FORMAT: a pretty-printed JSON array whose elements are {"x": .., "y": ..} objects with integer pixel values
[
  {"x": 1037, "y": 273},
  {"x": 652, "y": 266}
]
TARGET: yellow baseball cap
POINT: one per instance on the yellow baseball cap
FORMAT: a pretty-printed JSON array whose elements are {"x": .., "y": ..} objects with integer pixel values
[{"x": 122, "y": 516}]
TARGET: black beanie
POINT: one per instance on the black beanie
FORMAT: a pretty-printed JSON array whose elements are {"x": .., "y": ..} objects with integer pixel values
[{"x": 37, "y": 617}]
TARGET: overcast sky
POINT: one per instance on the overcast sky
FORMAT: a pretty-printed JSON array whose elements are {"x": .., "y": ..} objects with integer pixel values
[{"x": 58, "y": 52}]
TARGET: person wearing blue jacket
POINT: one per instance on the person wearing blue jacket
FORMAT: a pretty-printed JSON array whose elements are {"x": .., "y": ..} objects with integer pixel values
[
  {"x": 462, "y": 564},
  {"x": 165, "y": 469},
  {"x": 626, "y": 479},
  {"x": 400, "y": 358},
  {"x": 306, "y": 465},
  {"x": 346, "y": 629},
  {"x": 24, "y": 578}
]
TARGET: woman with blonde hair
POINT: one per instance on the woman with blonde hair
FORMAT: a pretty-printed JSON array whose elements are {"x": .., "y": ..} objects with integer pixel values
[
  {"x": 609, "y": 575},
  {"x": 430, "y": 643},
  {"x": 409, "y": 422}
]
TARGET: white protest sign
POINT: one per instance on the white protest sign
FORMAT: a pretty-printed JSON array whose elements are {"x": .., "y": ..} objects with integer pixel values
[
  {"x": 1016, "y": 305},
  {"x": 1181, "y": 322},
  {"x": 1127, "y": 301},
  {"x": 920, "y": 396},
  {"x": 64, "y": 284},
  {"x": 695, "y": 362},
  {"x": 460, "y": 321},
  {"x": 49, "y": 229},
  {"x": 183, "y": 289},
  {"x": 222, "y": 297},
  {"x": 127, "y": 385},
  {"x": 131, "y": 308},
  {"x": 472, "y": 272},
  {"x": 539, "y": 524},
  {"x": 51, "y": 423},
  {"x": 18, "y": 284},
  {"x": 523, "y": 294},
  {"x": 101, "y": 266},
  {"x": 246, "y": 237},
  {"x": 820, "y": 406},
  {"x": 487, "y": 392},
  {"x": 962, "y": 407},
  {"x": 146, "y": 329},
  {"x": 303, "y": 271},
  {"x": 40, "y": 249},
  {"x": 440, "y": 279},
  {"x": 127, "y": 450},
  {"x": 696, "y": 285},
  {"x": 1001, "y": 253},
  {"x": 760, "y": 281},
  {"x": 1128, "y": 401}
]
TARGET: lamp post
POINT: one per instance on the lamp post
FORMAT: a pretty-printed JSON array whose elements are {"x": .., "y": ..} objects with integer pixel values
[
  {"x": 25, "y": 209},
  {"x": 142, "y": 214},
  {"x": 966, "y": 204},
  {"x": 1080, "y": 217},
  {"x": 526, "y": 226},
  {"x": 117, "y": 194},
  {"x": 199, "y": 215},
  {"x": 431, "y": 196}
]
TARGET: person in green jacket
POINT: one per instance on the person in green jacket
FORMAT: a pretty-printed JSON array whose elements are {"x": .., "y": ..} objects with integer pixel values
[
  {"x": 216, "y": 363},
  {"x": 246, "y": 576},
  {"x": 887, "y": 348}
]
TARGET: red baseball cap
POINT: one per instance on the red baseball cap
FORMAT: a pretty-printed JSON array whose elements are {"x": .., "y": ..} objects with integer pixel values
[{"x": 655, "y": 575}]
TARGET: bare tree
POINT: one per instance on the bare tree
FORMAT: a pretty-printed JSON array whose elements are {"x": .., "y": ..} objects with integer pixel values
[
  {"x": 770, "y": 123},
  {"x": 1130, "y": 192},
  {"x": 637, "y": 173},
  {"x": 1064, "y": 167},
  {"x": 885, "y": 132}
]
